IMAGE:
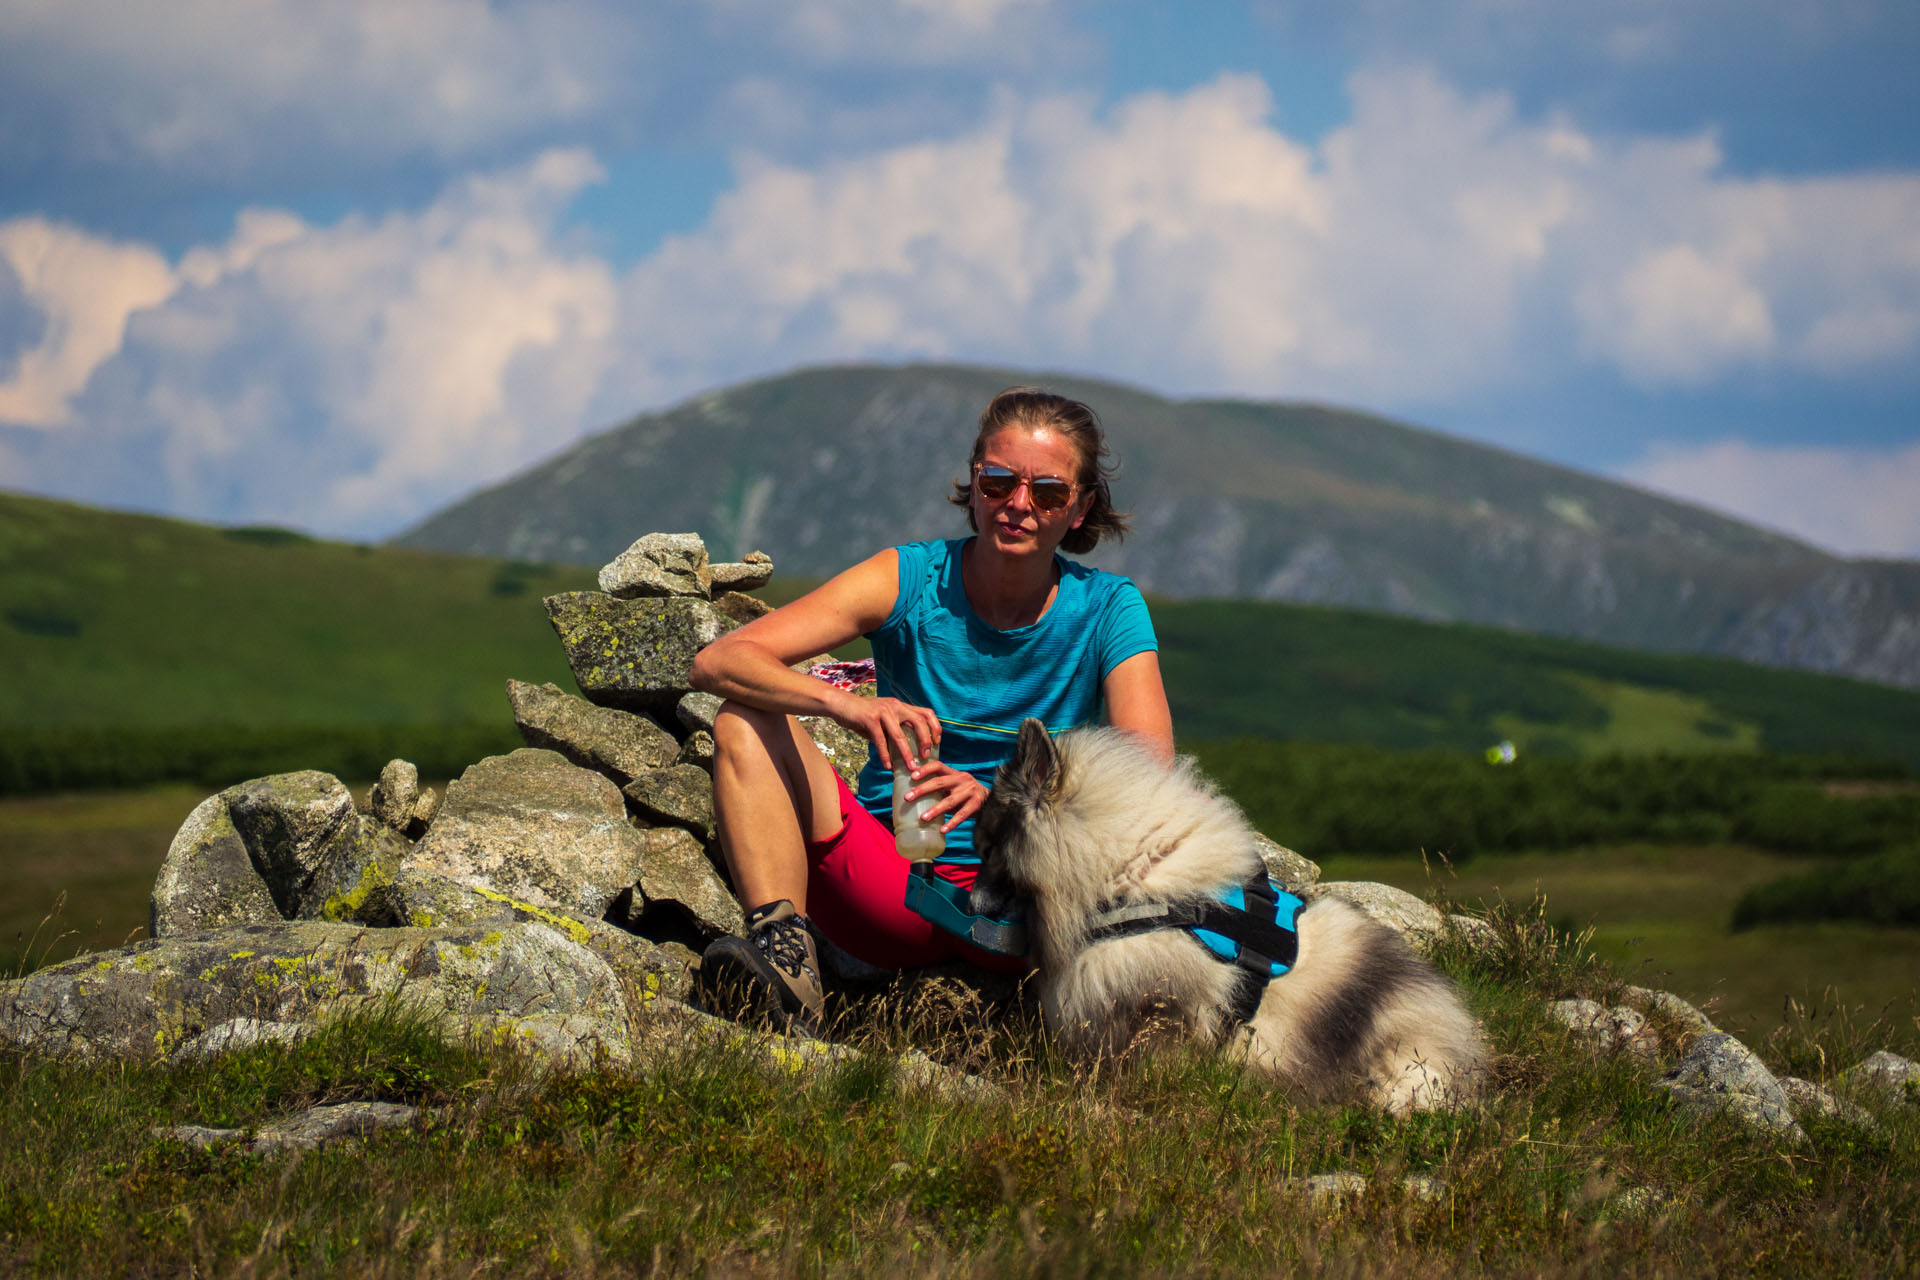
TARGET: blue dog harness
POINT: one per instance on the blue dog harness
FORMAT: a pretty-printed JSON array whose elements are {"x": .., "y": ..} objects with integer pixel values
[{"x": 1250, "y": 926}]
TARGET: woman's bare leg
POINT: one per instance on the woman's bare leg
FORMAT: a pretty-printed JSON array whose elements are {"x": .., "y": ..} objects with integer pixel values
[{"x": 772, "y": 791}]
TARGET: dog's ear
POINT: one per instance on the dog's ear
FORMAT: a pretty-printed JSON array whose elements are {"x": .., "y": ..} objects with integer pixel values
[{"x": 1033, "y": 774}]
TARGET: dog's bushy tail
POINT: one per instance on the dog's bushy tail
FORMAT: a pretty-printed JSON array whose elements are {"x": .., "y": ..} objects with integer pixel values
[{"x": 1360, "y": 1006}]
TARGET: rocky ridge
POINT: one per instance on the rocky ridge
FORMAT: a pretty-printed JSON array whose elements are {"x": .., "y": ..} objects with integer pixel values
[{"x": 556, "y": 897}]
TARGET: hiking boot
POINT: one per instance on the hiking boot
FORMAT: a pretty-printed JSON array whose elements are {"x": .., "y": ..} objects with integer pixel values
[{"x": 772, "y": 973}]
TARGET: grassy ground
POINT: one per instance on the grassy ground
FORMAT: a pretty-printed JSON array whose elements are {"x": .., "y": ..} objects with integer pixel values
[
  {"x": 1661, "y": 912},
  {"x": 698, "y": 1163}
]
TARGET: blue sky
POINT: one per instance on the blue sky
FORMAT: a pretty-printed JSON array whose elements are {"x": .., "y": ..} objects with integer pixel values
[{"x": 335, "y": 265}]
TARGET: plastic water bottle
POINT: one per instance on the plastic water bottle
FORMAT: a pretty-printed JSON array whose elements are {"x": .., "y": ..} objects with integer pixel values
[{"x": 914, "y": 840}]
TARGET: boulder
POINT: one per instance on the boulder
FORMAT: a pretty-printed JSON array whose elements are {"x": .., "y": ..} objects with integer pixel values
[
  {"x": 844, "y": 749},
  {"x": 531, "y": 827},
  {"x": 633, "y": 654},
  {"x": 425, "y": 810},
  {"x": 1668, "y": 1006},
  {"x": 237, "y": 1034},
  {"x": 697, "y": 750},
  {"x": 696, "y": 711},
  {"x": 1604, "y": 1029},
  {"x": 145, "y": 1000},
  {"x": 357, "y": 888},
  {"x": 294, "y": 825},
  {"x": 1719, "y": 1074},
  {"x": 680, "y": 795},
  {"x": 617, "y": 743},
  {"x": 395, "y": 794},
  {"x": 1886, "y": 1076},
  {"x": 1396, "y": 908},
  {"x": 208, "y": 880},
  {"x": 1284, "y": 865},
  {"x": 741, "y": 608},
  {"x": 660, "y": 564},
  {"x": 679, "y": 896},
  {"x": 749, "y": 573},
  {"x": 314, "y": 1127},
  {"x": 1809, "y": 1100}
]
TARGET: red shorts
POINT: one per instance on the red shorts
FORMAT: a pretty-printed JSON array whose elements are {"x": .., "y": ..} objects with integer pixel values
[{"x": 857, "y": 895}]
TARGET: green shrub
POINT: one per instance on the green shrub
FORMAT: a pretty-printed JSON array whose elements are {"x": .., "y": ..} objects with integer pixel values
[{"x": 1883, "y": 889}]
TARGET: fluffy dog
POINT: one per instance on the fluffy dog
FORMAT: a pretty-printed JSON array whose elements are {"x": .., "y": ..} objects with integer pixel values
[{"x": 1093, "y": 826}]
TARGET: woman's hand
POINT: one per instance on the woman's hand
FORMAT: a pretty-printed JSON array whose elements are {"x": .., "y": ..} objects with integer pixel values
[
  {"x": 898, "y": 730},
  {"x": 963, "y": 798}
]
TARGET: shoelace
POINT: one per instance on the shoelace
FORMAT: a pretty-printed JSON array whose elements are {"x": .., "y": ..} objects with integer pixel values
[{"x": 785, "y": 944}]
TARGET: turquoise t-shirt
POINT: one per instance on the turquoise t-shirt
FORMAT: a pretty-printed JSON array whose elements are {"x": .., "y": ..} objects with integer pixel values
[{"x": 934, "y": 651}]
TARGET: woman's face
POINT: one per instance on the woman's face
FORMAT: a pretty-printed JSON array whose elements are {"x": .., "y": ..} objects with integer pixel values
[{"x": 1014, "y": 525}]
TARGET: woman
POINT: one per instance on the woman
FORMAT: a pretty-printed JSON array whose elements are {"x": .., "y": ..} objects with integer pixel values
[{"x": 969, "y": 637}]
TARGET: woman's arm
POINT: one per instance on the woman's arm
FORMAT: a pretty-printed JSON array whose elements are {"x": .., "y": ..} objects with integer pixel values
[
  {"x": 753, "y": 663},
  {"x": 1137, "y": 702}
]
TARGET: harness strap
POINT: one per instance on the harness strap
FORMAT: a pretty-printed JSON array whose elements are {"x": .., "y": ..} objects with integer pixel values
[{"x": 1262, "y": 946}]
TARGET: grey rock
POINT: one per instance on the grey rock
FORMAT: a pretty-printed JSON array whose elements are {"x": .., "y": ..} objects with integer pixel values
[
  {"x": 294, "y": 825},
  {"x": 844, "y": 749},
  {"x": 314, "y": 1127},
  {"x": 741, "y": 608},
  {"x": 144, "y": 1001},
  {"x": 749, "y": 573},
  {"x": 1425, "y": 1187},
  {"x": 633, "y": 654},
  {"x": 679, "y": 795},
  {"x": 697, "y": 750},
  {"x": 1284, "y": 865},
  {"x": 425, "y": 810},
  {"x": 1809, "y": 1099},
  {"x": 1886, "y": 1076},
  {"x": 696, "y": 712},
  {"x": 208, "y": 879},
  {"x": 531, "y": 827},
  {"x": 1474, "y": 930},
  {"x": 236, "y": 1034},
  {"x": 1721, "y": 1074},
  {"x": 1604, "y": 1029},
  {"x": 1668, "y": 1006},
  {"x": 679, "y": 896},
  {"x": 1395, "y": 908},
  {"x": 1329, "y": 1190},
  {"x": 620, "y": 744},
  {"x": 659, "y": 564},
  {"x": 357, "y": 887},
  {"x": 395, "y": 794}
]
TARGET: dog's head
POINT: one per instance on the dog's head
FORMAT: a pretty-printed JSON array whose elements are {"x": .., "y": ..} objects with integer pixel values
[{"x": 1026, "y": 785}]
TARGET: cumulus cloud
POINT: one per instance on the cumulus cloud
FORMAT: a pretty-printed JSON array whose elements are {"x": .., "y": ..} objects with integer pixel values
[
  {"x": 332, "y": 376},
  {"x": 81, "y": 289},
  {"x": 1853, "y": 501},
  {"x": 1440, "y": 245}
]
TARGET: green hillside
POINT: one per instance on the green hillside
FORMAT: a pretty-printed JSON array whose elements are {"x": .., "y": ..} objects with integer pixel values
[
  {"x": 110, "y": 620},
  {"x": 141, "y": 647}
]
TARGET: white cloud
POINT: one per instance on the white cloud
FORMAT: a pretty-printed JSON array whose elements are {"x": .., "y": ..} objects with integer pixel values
[
  {"x": 335, "y": 376},
  {"x": 1439, "y": 245},
  {"x": 1853, "y": 501},
  {"x": 83, "y": 288}
]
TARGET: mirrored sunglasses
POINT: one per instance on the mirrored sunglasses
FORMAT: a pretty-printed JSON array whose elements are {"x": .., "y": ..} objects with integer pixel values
[{"x": 996, "y": 484}]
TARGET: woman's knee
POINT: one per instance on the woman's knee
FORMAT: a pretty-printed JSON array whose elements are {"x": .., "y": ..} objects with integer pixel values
[{"x": 738, "y": 728}]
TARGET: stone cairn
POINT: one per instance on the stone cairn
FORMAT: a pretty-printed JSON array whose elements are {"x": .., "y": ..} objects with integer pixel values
[{"x": 556, "y": 897}]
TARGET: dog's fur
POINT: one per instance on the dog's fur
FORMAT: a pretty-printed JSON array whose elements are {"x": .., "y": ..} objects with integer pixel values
[{"x": 1093, "y": 818}]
